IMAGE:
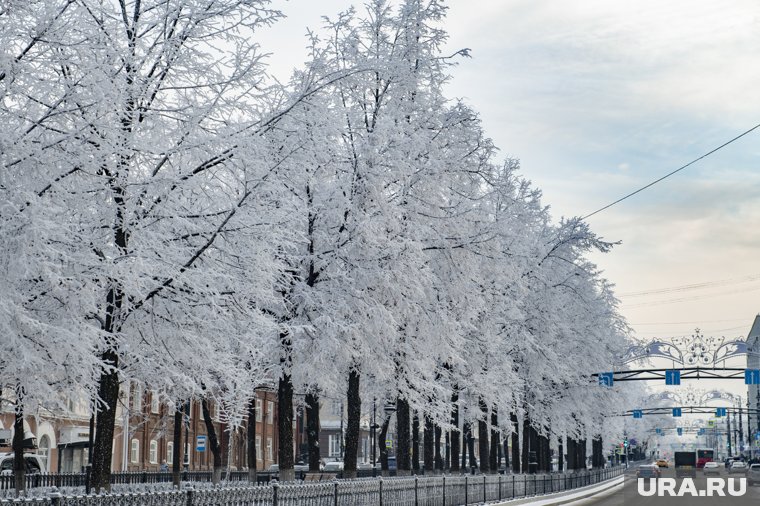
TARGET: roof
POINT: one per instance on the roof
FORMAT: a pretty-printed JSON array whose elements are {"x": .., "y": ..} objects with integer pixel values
[{"x": 754, "y": 332}]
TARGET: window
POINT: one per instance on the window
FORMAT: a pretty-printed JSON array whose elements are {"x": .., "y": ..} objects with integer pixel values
[
  {"x": 258, "y": 447},
  {"x": 170, "y": 451},
  {"x": 44, "y": 449},
  {"x": 135, "y": 454},
  {"x": 154, "y": 402},
  {"x": 136, "y": 399},
  {"x": 258, "y": 410},
  {"x": 269, "y": 448},
  {"x": 334, "y": 445},
  {"x": 337, "y": 408},
  {"x": 153, "y": 452},
  {"x": 270, "y": 412}
]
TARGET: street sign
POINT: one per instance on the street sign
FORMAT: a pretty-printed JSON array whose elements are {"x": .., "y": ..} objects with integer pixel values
[
  {"x": 658, "y": 431},
  {"x": 389, "y": 443},
  {"x": 606, "y": 379},
  {"x": 676, "y": 412},
  {"x": 720, "y": 411},
  {"x": 701, "y": 432},
  {"x": 680, "y": 431},
  {"x": 757, "y": 436},
  {"x": 711, "y": 424},
  {"x": 752, "y": 376},
  {"x": 673, "y": 377},
  {"x": 200, "y": 443},
  {"x": 637, "y": 413}
]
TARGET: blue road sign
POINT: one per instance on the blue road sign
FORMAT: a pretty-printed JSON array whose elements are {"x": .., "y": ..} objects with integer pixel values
[
  {"x": 637, "y": 413},
  {"x": 200, "y": 443},
  {"x": 757, "y": 436},
  {"x": 673, "y": 377},
  {"x": 720, "y": 411},
  {"x": 676, "y": 412},
  {"x": 701, "y": 432},
  {"x": 752, "y": 376},
  {"x": 606, "y": 379},
  {"x": 680, "y": 431},
  {"x": 658, "y": 431}
]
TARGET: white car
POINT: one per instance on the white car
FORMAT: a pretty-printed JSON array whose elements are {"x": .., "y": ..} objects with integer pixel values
[
  {"x": 753, "y": 474},
  {"x": 711, "y": 468},
  {"x": 738, "y": 467},
  {"x": 333, "y": 467},
  {"x": 34, "y": 464}
]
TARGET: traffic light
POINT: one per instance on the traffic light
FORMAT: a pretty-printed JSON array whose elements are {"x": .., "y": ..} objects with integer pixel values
[{"x": 625, "y": 442}]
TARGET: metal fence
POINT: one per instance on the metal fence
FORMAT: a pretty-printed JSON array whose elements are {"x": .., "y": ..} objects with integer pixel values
[
  {"x": 407, "y": 491},
  {"x": 60, "y": 480}
]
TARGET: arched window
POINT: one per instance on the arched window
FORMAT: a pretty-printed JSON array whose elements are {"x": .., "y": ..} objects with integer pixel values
[
  {"x": 153, "y": 452},
  {"x": 43, "y": 450},
  {"x": 135, "y": 451}
]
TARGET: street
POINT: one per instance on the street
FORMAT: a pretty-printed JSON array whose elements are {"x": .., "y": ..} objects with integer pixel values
[{"x": 629, "y": 495}]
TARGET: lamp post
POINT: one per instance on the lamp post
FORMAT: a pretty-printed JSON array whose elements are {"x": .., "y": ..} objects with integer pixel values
[{"x": 373, "y": 434}]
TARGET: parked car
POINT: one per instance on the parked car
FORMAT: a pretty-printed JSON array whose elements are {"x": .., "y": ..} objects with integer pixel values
[
  {"x": 662, "y": 463},
  {"x": 753, "y": 474},
  {"x": 333, "y": 467},
  {"x": 738, "y": 467},
  {"x": 648, "y": 471},
  {"x": 34, "y": 464},
  {"x": 711, "y": 468},
  {"x": 301, "y": 468},
  {"x": 274, "y": 468}
]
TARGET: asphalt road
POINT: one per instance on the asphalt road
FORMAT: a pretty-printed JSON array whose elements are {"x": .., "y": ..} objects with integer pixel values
[{"x": 629, "y": 494}]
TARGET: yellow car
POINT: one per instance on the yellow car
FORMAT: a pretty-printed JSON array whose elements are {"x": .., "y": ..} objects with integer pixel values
[{"x": 662, "y": 463}]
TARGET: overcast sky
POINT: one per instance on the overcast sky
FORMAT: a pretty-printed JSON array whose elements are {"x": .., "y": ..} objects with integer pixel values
[{"x": 598, "y": 98}]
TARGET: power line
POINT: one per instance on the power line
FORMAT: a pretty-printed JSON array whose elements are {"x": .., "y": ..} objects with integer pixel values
[
  {"x": 696, "y": 322},
  {"x": 689, "y": 299},
  {"x": 693, "y": 286},
  {"x": 673, "y": 172}
]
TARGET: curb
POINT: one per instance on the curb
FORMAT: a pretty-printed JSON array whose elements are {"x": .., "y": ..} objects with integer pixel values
[{"x": 573, "y": 496}]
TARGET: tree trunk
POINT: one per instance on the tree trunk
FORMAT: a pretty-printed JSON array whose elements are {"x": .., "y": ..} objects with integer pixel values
[
  {"x": 465, "y": 439},
  {"x": 250, "y": 437},
  {"x": 525, "y": 445},
  {"x": 560, "y": 455},
  {"x": 415, "y": 442},
  {"x": 108, "y": 392},
  {"x": 515, "y": 443},
  {"x": 19, "y": 467},
  {"x": 383, "y": 448},
  {"x": 402, "y": 433},
  {"x": 437, "y": 457},
  {"x": 505, "y": 444},
  {"x": 533, "y": 447},
  {"x": 494, "y": 461},
  {"x": 312, "y": 430},
  {"x": 213, "y": 442},
  {"x": 428, "y": 453},
  {"x": 483, "y": 438},
  {"x": 285, "y": 427},
  {"x": 352, "y": 426},
  {"x": 597, "y": 459},
  {"x": 177, "y": 447},
  {"x": 471, "y": 447},
  {"x": 455, "y": 434}
]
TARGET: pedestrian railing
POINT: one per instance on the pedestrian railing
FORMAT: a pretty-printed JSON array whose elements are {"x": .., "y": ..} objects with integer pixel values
[{"x": 448, "y": 490}]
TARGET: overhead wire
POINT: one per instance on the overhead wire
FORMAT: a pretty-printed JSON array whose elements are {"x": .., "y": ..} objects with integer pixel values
[
  {"x": 673, "y": 172},
  {"x": 693, "y": 286}
]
